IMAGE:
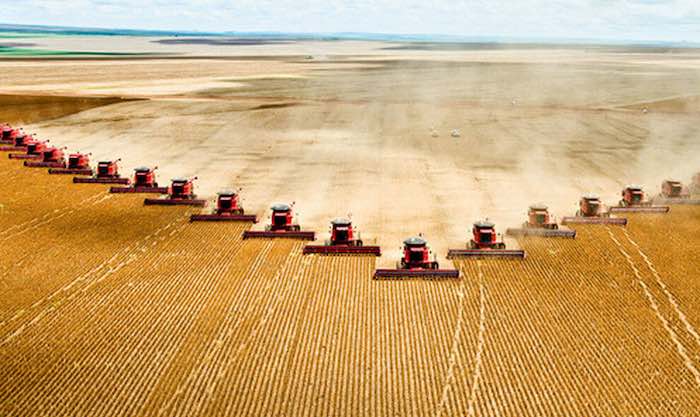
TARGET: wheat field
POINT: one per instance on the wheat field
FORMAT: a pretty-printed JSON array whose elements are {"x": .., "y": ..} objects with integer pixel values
[{"x": 109, "y": 308}]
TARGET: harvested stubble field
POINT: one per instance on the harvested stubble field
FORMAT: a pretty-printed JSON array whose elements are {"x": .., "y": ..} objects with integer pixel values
[{"x": 109, "y": 308}]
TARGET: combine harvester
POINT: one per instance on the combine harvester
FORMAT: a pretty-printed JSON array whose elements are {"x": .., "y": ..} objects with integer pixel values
[
  {"x": 78, "y": 164},
  {"x": 51, "y": 157},
  {"x": 591, "y": 212},
  {"x": 673, "y": 192},
  {"x": 343, "y": 242},
  {"x": 33, "y": 150},
  {"x": 107, "y": 173},
  {"x": 416, "y": 263},
  {"x": 180, "y": 193},
  {"x": 485, "y": 243},
  {"x": 6, "y": 134},
  {"x": 540, "y": 223},
  {"x": 634, "y": 201},
  {"x": 144, "y": 182},
  {"x": 18, "y": 142},
  {"x": 281, "y": 225},
  {"x": 228, "y": 209}
]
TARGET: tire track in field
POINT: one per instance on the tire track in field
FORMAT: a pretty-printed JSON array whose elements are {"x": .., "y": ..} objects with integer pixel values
[
  {"x": 481, "y": 342},
  {"x": 53, "y": 216},
  {"x": 682, "y": 352},
  {"x": 453, "y": 351},
  {"x": 671, "y": 299},
  {"x": 121, "y": 259}
]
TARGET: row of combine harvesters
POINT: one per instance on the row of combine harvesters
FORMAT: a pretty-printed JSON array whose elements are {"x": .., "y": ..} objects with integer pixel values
[{"x": 417, "y": 259}]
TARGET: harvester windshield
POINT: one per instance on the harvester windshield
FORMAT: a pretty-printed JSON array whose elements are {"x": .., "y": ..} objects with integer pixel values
[
  {"x": 415, "y": 255},
  {"x": 279, "y": 219},
  {"x": 485, "y": 236},
  {"x": 540, "y": 218},
  {"x": 341, "y": 234}
]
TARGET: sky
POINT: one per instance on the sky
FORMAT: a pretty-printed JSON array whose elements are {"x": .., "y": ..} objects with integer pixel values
[{"x": 662, "y": 20}]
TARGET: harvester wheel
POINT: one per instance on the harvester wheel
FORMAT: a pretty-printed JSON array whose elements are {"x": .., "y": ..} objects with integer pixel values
[
  {"x": 434, "y": 265},
  {"x": 500, "y": 245},
  {"x": 472, "y": 244},
  {"x": 358, "y": 243}
]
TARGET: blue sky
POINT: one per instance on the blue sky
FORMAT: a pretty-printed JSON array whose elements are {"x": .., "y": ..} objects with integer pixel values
[{"x": 669, "y": 20}]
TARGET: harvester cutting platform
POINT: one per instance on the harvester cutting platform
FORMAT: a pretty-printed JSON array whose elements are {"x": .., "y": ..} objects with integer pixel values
[
  {"x": 144, "y": 182},
  {"x": 540, "y": 223},
  {"x": 416, "y": 262},
  {"x": 107, "y": 173},
  {"x": 634, "y": 200},
  {"x": 485, "y": 243},
  {"x": 343, "y": 241},
  {"x": 281, "y": 225},
  {"x": 180, "y": 193},
  {"x": 228, "y": 208},
  {"x": 78, "y": 164},
  {"x": 34, "y": 149},
  {"x": 51, "y": 157},
  {"x": 591, "y": 211}
]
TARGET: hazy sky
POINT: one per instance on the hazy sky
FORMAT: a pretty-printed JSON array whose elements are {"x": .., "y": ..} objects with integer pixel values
[{"x": 609, "y": 19}]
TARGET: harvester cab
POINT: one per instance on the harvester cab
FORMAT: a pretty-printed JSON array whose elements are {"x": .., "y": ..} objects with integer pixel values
[
  {"x": 634, "y": 200},
  {"x": 228, "y": 208},
  {"x": 343, "y": 241},
  {"x": 107, "y": 173},
  {"x": 540, "y": 223},
  {"x": 485, "y": 242},
  {"x": 590, "y": 211},
  {"x": 281, "y": 225},
  {"x": 6, "y": 133},
  {"x": 145, "y": 177},
  {"x": 78, "y": 164},
  {"x": 22, "y": 140},
  {"x": 180, "y": 193},
  {"x": 416, "y": 261}
]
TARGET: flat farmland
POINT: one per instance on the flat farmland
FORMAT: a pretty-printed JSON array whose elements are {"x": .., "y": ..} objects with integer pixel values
[{"x": 173, "y": 318}]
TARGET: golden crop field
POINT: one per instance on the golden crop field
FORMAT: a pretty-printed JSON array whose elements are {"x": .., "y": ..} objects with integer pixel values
[{"x": 109, "y": 308}]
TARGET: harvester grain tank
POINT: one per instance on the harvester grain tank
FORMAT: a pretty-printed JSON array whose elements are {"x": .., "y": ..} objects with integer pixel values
[
  {"x": 228, "y": 208},
  {"x": 485, "y": 242},
  {"x": 416, "y": 262},
  {"x": 343, "y": 241},
  {"x": 592, "y": 211},
  {"x": 78, "y": 164},
  {"x": 107, "y": 172},
  {"x": 180, "y": 193},
  {"x": 540, "y": 223},
  {"x": 144, "y": 182},
  {"x": 282, "y": 224},
  {"x": 34, "y": 150},
  {"x": 634, "y": 200},
  {"x": 51, "y": 157}
]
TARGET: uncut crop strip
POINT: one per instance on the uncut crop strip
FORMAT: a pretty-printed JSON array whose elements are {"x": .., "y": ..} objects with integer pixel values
[
  {"x": 147, "y": 308},
  {"x": 562, "y": 320},
  {"x": 42, "y": 266}
]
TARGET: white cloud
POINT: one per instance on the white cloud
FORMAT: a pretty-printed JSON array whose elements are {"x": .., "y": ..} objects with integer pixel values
[{"x": 616, "y": 19}]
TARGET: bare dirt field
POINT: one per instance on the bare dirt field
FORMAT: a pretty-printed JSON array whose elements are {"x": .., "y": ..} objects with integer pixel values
[{"x": 111, "y": 308}]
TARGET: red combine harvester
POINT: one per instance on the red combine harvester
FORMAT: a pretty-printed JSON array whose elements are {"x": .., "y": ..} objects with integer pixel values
[
  {"x": 78, "y": 164},
  {"x": 673, "y": 192},
  {"x": 591, "y": 212},
  {"x": 51, "y": 157},
  {"x": 634, "y": 200},
  {"x": 281, "y": 225},
  {"x": 18, "y": 142},
  {"x": 485, "y": 242},
  {"x": 33, "y": 150},
  {"x": 144, "y": 182},
  {"x": 228, "y": 208},
  {"x": 540, "y": 223},
  {"x": 416, "y": 262},
  {"x": 107, "y": 173},
  {"x": 180, "y": 193},
  {"x": 6, "y": 134},
  {"x": 343, "y": 241}
]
